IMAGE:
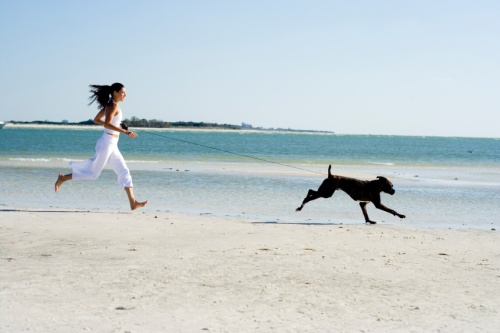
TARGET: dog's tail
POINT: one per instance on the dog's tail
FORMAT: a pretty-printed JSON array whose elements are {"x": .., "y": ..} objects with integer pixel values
[{"x": 329, "y": 171}]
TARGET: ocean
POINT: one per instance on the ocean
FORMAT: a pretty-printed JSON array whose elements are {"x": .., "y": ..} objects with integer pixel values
[{"x": 260, "y": 176}]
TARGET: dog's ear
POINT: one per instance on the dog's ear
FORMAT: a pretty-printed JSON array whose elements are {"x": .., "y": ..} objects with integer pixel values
[{"x": 385, "y": 180}]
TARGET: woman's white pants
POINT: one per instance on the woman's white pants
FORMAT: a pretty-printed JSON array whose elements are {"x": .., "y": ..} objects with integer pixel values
[{"x": 106, "y": 153}]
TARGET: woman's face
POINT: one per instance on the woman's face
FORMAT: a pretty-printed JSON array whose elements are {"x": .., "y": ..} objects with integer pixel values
[{"x": 119, "y": 96}]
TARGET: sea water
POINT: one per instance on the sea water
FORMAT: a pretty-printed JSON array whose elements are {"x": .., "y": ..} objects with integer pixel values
[{"x": 261, "y": 176}]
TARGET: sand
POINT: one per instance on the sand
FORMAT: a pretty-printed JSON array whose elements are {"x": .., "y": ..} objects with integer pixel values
[{"x": 74, "y": 271}]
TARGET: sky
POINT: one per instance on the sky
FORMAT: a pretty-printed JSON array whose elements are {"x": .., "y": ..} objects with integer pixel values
[{"x": 428, "y": 68}]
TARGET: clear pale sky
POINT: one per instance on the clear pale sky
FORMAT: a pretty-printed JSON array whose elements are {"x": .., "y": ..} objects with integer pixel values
[{"x": 352, "y": 67}]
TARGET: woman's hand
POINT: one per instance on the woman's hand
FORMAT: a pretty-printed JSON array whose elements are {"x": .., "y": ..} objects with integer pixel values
[{"x": 131, "y": 134}]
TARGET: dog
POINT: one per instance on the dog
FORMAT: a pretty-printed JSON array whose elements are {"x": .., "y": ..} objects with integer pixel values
[{"x": 363, "y": 191}]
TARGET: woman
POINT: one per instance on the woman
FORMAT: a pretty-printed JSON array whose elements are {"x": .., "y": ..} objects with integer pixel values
[{"x": 107, "y": 151}]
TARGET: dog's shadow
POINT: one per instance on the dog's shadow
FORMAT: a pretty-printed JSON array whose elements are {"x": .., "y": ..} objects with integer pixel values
[{"x": 300, "y": 223}]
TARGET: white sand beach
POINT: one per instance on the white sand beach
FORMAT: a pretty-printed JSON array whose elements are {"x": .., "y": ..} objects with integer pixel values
[{"x": 74, "y": 271}]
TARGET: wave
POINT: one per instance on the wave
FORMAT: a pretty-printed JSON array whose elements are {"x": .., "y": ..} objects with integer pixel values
[
  {"x": 383, "y": 163},
  {"x": 27, "y": 159},
  {"x": 142, "y": 162}
]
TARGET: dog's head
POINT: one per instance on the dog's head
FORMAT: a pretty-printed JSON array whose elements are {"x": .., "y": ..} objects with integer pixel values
[{"x": 386, "y": 185}]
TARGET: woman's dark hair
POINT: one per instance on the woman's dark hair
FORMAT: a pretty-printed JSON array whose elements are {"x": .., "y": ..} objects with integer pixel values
[{"x": 103, "y": 94}]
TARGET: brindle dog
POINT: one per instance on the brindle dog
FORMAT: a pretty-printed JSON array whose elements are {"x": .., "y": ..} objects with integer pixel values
[{"x": 363, "y": 191}]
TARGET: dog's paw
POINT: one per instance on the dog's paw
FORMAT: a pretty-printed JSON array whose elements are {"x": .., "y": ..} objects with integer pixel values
[{"x": 402, "y": 216}]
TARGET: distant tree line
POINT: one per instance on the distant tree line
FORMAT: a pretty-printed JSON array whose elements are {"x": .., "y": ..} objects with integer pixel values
[
  {"x": 155, "y": 123},
  {"x": 46, "y": 122},
  {"x": 136, "y": 122}
]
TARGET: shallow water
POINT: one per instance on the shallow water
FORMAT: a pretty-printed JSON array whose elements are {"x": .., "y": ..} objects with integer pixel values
[{"x": 439, "y": 182}]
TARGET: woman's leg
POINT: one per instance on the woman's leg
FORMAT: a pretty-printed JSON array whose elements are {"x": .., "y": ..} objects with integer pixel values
[
  {"x": 91, "y": 168},
  {"x": 117, "y": 163},
  {"x": 134, "y": 204},
  {"x": 61, "y": 179}
]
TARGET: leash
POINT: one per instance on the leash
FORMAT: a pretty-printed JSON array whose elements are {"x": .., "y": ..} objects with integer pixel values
[{"x": 228, "y": 152}]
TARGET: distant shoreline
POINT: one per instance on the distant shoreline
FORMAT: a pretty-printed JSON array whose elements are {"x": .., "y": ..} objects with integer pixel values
[
  {"x": 161, "y": 126},
  {"x": 36, "y": 124},
  {"x": 90, "y": 125}
]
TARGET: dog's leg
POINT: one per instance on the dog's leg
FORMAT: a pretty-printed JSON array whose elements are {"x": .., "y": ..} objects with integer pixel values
[
  {"x": 365, "y": 214},
  {"x": 325, "y": 190},
  {"x": 388, "y": 210},
  {"x": 311, "y": 195}
]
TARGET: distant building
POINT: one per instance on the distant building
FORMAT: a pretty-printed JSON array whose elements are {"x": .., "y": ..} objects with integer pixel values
[
  {"x": 245, "y": 125},
  {"x": 65, "y": 121}
]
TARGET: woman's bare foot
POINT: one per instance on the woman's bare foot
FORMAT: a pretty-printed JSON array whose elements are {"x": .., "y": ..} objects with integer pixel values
[
  {"x": 136, "y": 204},
  {"x": 61, "y": 179}
]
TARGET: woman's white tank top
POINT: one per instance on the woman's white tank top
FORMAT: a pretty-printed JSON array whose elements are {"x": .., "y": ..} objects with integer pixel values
[{"x": 117, "y": 119}]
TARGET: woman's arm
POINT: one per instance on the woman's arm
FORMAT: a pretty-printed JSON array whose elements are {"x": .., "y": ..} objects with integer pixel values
[{"x": 99, "y": 118}]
